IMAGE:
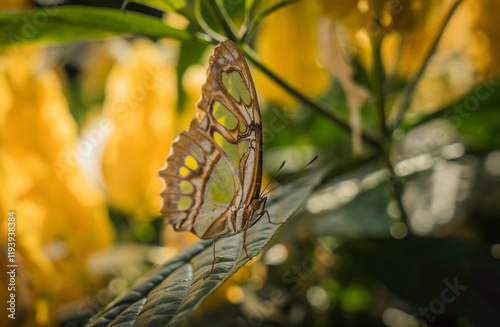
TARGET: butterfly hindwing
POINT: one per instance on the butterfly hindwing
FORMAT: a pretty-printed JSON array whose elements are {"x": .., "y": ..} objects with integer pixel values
[{"x": 214, "y": 168}]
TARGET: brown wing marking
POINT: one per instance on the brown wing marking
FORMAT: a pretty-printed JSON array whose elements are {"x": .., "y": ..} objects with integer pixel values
[{"x": 191, "y": 143}]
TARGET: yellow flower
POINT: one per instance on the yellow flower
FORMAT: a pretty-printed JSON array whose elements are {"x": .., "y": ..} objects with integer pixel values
[
  {"x": 400, "y": 20},
  {"x": 141, "y": 102},
  {"x": 288, "y": 45},
  {"x": 485, "y": 48},
  {"x": 61, "y": 220},
  {"x": 413, "y": 15},
  {"x": 15, "y": 4},
  {"x": 407, "y": 30}
]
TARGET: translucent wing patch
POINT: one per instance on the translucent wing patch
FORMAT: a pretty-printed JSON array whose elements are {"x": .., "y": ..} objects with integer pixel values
[
  {"x": 224, "y": 116},
  {"x": 233, "y": 82}
]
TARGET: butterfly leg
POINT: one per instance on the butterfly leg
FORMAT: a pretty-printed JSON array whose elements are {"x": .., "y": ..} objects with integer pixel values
[
  {"x": 213, "y": 262},
  {"x": 269, "y": 218},
  {"x": 245, "y": 243}
]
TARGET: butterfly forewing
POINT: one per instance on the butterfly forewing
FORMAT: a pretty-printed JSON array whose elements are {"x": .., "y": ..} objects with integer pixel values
[{"x": 214, "y": 168}]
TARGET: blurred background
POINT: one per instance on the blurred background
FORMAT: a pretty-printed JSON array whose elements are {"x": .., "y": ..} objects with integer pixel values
[{"x": 404, "y": 230}]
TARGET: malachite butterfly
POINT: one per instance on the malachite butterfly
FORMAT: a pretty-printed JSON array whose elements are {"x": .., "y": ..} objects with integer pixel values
[{"x": 213, "y": 173}]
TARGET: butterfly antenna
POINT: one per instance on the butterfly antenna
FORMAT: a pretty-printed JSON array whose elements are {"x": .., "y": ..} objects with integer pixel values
[
  {"x": 274, "y": 176},
  {"x": 124, "y": 5},
  {"x": 291, "y": 176}
]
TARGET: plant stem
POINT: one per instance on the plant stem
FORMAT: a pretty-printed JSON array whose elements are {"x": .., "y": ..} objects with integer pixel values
[
  {"x": 224, "y": 20},
  {"x": 411, "y": 85},
  {"x": 309, "y": 102},
  {"x": 250, "y": 19},
  {"x": 396, "y": 187},
  {"x": 249, "y": 31},
  {"x": 378, "y": 84},
  {"x": 201, "y": 24}
]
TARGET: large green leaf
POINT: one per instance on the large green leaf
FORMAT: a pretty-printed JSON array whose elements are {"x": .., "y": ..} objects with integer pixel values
[
  {"x": 352, "y": 204},
  {"x": 366, "y": 215},
  {"x": 421, "y": 270},
  {"x": 69, "y": 23},
  {"x": 172, "y": 291}
]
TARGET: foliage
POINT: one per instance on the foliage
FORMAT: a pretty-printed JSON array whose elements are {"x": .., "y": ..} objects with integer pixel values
[{"x": 172, "y": 291}]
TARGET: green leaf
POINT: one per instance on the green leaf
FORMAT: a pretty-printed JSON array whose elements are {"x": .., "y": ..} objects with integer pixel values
[
  {"x": 164, "y": 5},
  {"x": 420, "y": 270},
  {"x": 70, "y": 23},
  {"x": 353, "y": 204},
  {"x": 171, "y": 292},
  {"x": 366, "y": 215},
  {"x": 475, "y": 116},
  {"x": 249, "y": 5}
]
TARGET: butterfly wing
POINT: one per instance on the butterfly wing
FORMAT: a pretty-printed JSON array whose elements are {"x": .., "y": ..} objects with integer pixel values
[{"x": 215, "y": 167}]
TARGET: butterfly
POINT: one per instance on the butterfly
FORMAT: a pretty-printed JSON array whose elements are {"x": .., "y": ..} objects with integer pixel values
[{"x": 213, "y": 173}]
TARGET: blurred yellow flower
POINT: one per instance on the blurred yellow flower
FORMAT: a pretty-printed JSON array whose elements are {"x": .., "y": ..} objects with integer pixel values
[
  {"x": 282, "y": 34},
  {"x": 61, "y": 220},
  {"x": 368, "y": 20},
  {"x": 140, "y": 101},
  {"x": 414, "y": 15},
  {"x": 485, "y": 49},
  {"x": 449, "y": 74},
  {"x": 15, "y": 4},
  {"x": 406, "y": 30}
]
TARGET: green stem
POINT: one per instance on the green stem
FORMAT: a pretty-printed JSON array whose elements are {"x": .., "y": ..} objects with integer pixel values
[
  {"x": 200, "y": 23},
  {"x": 378, "y": 84},
  {"x": 224, "y": 20},
  {"x": 194, "y": 17},
  {"x": 251, "y": 27},
  {"x": 309, "y": 102},
  {"x": 396, "y": 187},
  {"x": 205, "y": 39},
  {"x": 250, "y": 18},
  {"x": 124, "y": 6},
  {"x": 411, "y": 85}
]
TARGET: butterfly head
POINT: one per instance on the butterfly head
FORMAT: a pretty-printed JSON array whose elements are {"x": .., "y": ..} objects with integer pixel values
[
  {"x": 259, "y": 204},
  {"x": 258, "y": 207}
]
